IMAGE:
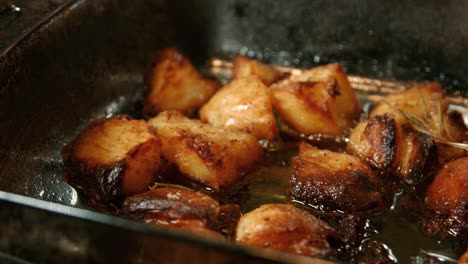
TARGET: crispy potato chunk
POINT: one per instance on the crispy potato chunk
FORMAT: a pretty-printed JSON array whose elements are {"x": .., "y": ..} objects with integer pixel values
[
  {"x": 375, "y": 141},
  {"x": 244, "y": 67},
  {"x": 174, "y": 207},
  {"x": 245, "y": 105},
  {"x": 214, "y": 157},
  {"x": 112, "y": 158},
  {"x": 448, "y": 192},
  {"x": 421, "y": 100},
  {"x": 319, "y": 101},
  {"x": 173, "y": 83},
  {"x": 286, "y": 228},
  {"x": 447, "y": 198},
  {"x": 382, "y": 143},
  {"x": 332, "y": 181}
]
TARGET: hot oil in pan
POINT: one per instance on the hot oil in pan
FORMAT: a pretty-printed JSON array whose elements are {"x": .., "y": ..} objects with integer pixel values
[{"x": 397, "y": 229}]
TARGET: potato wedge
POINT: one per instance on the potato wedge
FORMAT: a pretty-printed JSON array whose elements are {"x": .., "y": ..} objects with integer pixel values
[
  {"x": 112, "y": 158},
  {"x": 209, "y": 155},
  {"x": 286, "y": 228},
  {"x": 173, "y": 83},
  {"x": 319, "y": 101},
  {"x": 335, "y": 182},
  {"x": 245, "y": 105},
  {"x": 245, "y": 67}
]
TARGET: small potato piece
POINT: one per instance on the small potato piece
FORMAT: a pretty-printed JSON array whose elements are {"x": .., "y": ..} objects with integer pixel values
[
  {"x": 173, "y": 83},
  {"x": 112, "y": 158},
  {"x": 244, "y": 67},
  {"x": 336, "y": 182},
  {"x": 245, "y": 105},
  {"x": 375, "y": 141},
  {"x": 421, "y": 100},
  {"x": 448, "y": 192},
  {"x": 174, "y": 207},
  {"x": 214, "y": 157},
  {"x": 319, "y": 100},
  {"x": 381, "y": 142},
  {"x": 286, "y": 228}
]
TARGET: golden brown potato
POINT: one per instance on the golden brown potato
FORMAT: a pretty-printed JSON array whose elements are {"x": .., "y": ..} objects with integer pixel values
[
  {"x": 332, "y": 181},
  {"x": 448, "y": 192},
  {"x": 424, "y": 107},
  {"x": 174, "y": 207},
  {"x": 421, "y": 100},
  {"x": 245, "y": 105},
  {"x": 375, "y": 141},
  {"x": 112, "y": 158},
  {"x": 244, "y": 67},
  {"x": 383, "y": 144},
  {"x": 286, "y": 228},
  {"x": 214, "y": 157},
  {"x": 173, "y": 83},
  {"x": 319, "y": 101}
]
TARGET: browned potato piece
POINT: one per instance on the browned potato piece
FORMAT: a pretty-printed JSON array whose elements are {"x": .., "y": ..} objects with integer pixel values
[
  {"x": 244, "y": 67},
  {"x": 174, "y": 207},
  {"x": 214, "y": 157},
  {"x": 173, "y": 83},
  {"x": 448, "y": 192},
  {"x": 245, "y": 105},
  {"x": 332, "y": 181},
  {"x": 319, "y": 101},
  {"x": 112, "y": 158},
  {"x": 286, "y": 228},
  {"x": 375, "y": 141},
  {"x": 381, "y": 142}
]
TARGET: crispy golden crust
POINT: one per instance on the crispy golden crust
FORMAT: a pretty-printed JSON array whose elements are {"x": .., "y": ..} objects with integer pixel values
[
  {"x": 112, "y": 158},
  {"x": 173, "y": 83},
  {"x": 175, "y": 208},
  {"x": 245, "y": 105},
  {"x": 383, "y": 144},
  {"x": 286, "y": 228},
  {"x": 375, "y": 141},
  {"x": 212, "y": 156},
  {"x": 448, "y": 192},
  {"x": 244, "y": 67},
  {"x": 319, "y": 100},
  {"x": 333, "y": 181}
]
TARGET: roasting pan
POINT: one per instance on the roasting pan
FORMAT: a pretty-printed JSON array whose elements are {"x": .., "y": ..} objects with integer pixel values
[{"x": 85, "y": 61}]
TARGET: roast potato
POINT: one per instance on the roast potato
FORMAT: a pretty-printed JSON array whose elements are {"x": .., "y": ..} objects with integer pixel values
[
  {"x": 206, "y": 154},
  {"x": 388, "y": 149},
  {"x": 173, "y": 83},
  {"x": 286, "y": 228},
  {"x": 335, "y": 182},
  {"x": 244, "y": 67},
  {"x": 113, "y": 158},
  {"x": 318, "y": 101},
  {"x": 174, "y": 207},
  {"x": 245, "y": 105},
  {"x": 448, "y": 192}
]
